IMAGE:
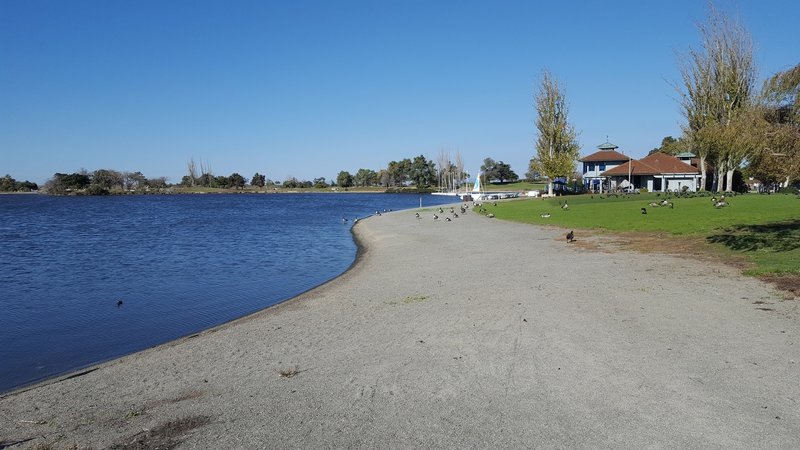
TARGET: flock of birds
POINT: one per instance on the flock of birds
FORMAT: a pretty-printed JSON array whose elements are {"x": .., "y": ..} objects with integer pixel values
[
  {"x": 666, "y": 202},
  {"x": 453, "y": 214}
]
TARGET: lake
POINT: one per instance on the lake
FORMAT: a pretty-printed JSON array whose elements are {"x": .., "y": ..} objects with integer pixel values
[{"x": 178, "y": 263}]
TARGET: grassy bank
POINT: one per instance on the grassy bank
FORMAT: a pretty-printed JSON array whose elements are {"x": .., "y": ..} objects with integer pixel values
[{"x": 764, "y": 229}]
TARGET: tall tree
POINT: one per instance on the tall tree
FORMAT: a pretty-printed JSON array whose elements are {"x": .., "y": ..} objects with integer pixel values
[
  {"x": 778, "y": 159},
  {"x": 258, "y": 180},
  {"x": 557, "y": 144},
  {"x": 236, "y": 181},
  {"x": 459, "y": 168},
  {"x": 444, "y": 168},
  {"x": 191, "y": 169},
  {"x": 718, "y": 82},
  {"x": 344, "y": 179},
  {"x": 422, "y": 172},
  {"x": 365, "y": 177}
]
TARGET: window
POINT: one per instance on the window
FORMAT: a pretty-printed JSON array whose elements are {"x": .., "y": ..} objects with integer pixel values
[{"x": 602, "y": 166}]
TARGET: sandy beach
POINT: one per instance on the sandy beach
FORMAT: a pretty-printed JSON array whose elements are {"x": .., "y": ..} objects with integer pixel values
[{"x": 463, "y": 334}]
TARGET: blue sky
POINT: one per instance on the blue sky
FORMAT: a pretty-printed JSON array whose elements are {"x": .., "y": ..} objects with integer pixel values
[{"x": 309, "y": 88}]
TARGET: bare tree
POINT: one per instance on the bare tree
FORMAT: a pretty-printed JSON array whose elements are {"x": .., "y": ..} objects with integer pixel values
[
  {"x": 191, "y": 168},
  {"x": 557, "y": 145},
  {"x": 443, "y": 166},
  {"x": 459, "y": 167}
]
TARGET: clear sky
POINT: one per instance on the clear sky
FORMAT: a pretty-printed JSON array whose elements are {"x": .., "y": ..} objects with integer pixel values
[{"x": 309, "y": 88}]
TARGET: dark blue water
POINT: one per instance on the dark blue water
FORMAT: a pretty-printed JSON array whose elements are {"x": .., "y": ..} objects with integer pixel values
[{"x": 179, "y": 264}]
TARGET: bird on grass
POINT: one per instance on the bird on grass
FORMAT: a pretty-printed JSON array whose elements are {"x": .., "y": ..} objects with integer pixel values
[
  {"x": 644, "y": 210},
  {"x": 565, "y": 206},
  {"x": 545, "y": 215},
  {"x": 571, "y": 236}
]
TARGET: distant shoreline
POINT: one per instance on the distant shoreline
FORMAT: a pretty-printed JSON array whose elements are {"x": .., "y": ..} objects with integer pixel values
[{"x": 225, "y": 192}]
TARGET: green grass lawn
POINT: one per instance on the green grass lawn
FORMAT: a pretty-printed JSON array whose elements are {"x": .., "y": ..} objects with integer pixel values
[{"x": 763, "y": 228}]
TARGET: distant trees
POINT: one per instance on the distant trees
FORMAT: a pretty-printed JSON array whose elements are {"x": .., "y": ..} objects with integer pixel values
[
  {"x": 9, "y": 184},
  {"x": 258, "y": 180},
  {"x": 365, "y": 177},
  {"x": 671, "y": 146},
  {"x": 236, "y": 181},
  {"x": 451, "y": 174},
  {"x": 557, "y": 145},
  {"x": 419, "y": 172},
  {"x": 498, "y": 170},
  {"x": 62, "y": 183},
  {"x": 344, "y": 179},
  {"x": 103, "y": 182}
]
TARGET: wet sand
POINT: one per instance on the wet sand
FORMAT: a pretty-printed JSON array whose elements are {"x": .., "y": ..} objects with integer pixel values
[{"x": 462, "y": 334}]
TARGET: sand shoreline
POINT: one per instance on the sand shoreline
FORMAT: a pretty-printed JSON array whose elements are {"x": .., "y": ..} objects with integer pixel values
[{"x": 467, "y": 333}]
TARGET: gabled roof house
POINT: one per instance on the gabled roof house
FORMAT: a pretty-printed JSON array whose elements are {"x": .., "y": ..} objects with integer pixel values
[
  {"x": 594, "y": 165},
  {"x": 608, "y": 169},
  {"x": 657, "y": 172}
]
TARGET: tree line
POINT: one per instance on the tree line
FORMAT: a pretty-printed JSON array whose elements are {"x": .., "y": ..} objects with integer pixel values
[
  {"x": 416, "y": 172},
  {"x": 9, "y": 184},
  {"x": 103, "y": 182}
]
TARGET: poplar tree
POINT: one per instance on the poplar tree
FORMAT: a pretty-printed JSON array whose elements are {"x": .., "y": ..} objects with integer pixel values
[
  {"x": 557, "y": 144},
  {"x": 717, "y": 89}
]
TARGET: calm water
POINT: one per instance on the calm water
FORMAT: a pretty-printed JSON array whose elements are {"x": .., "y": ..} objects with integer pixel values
[{"x": 179, "y": 263}]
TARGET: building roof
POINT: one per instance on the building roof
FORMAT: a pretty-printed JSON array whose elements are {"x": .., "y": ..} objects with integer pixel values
[
  {"x": 605, "y": 156},
  {"x": 655, "y": 164},
  {"x": 607, "y": 146},
  {"x": 685, "y": 155}
]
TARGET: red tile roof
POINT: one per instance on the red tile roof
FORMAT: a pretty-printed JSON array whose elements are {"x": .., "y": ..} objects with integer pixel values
[
  {"x": 655, "y": 164},
  {"x": 605, "y": 156},
  {"x": 665, "y": 163}
]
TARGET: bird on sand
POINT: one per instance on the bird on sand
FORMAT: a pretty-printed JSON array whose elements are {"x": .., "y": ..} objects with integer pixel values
[
  {"x": 447, "y": 219},
  {"x": 571, "y": 236},
  {"x": 435, "y": 217},
  {"x": 417, "y": 214}
]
